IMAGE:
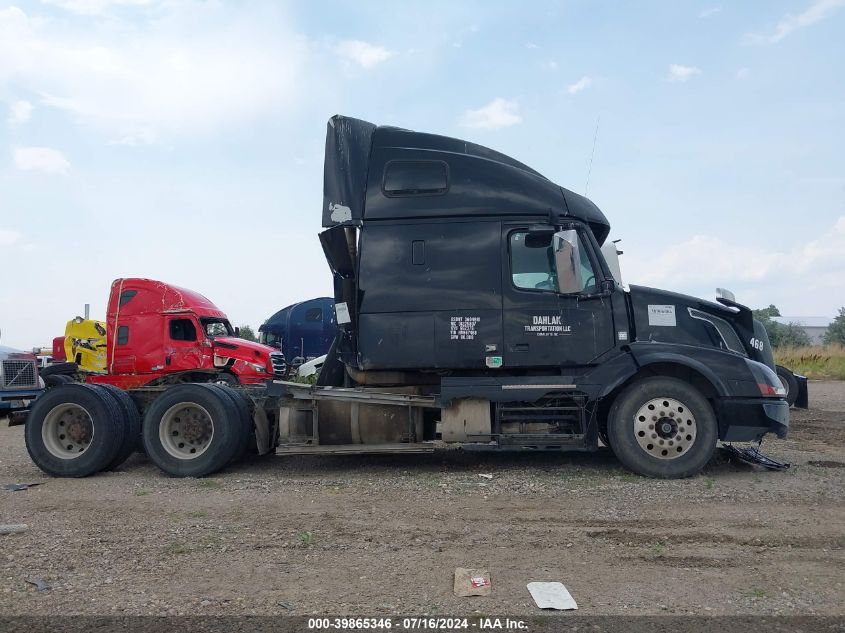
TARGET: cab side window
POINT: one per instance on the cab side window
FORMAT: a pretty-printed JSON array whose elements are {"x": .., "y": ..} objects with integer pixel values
[
  {"x": 531, "y": 268},
  {"x": 562, "y": 266},
  {"x": 183, "y": 330}
]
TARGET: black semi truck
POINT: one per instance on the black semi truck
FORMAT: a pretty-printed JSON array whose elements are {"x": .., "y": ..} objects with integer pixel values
[{"x": 476, "y": 304}]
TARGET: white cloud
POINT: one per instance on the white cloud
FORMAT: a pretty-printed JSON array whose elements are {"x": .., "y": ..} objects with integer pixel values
[
  {"x": 44, "y": 159},
  {"x": 9, "y": 236},
  {"x": 531, "y": 45},
  {"x": 94, "y": 7},
  {"x": 677, "y": 72},
  {"x": 190, "y": 70},
  {"x": 743, "y": 73},
  {"x": 816, "y": 12},
  {"x": 364, "y": 54},
  {"x": 816, "y": 267},
  {"x": 497, "y": 114},
  {"x": 579, "y": 85},
  {"x": 709, "y": 12},
  {"x": 136, "y": 137},
  {"x": 19, "y": 112}
]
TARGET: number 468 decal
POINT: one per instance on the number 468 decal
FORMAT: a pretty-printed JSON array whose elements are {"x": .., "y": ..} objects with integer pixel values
[{"x": 757, "y": 344}]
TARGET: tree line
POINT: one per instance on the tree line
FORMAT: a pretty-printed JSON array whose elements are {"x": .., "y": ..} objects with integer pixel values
[{"x": 793, "y": 335}]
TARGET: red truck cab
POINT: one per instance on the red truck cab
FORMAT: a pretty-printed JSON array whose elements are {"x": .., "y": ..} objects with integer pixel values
[
  {"x": 59, "y": 355},
  {"x": 159, "y": 334}
]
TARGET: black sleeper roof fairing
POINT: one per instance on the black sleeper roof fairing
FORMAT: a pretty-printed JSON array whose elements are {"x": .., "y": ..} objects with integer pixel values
[{"x": 379, "y": 173}]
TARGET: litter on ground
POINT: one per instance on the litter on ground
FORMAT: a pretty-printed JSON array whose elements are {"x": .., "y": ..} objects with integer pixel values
[
  {"x": 551, "y": 595},
  {"x": 472, "y": 582}
]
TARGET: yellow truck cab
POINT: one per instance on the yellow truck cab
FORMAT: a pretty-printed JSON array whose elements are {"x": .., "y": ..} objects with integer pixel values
[{"x": 85, "y": 344}]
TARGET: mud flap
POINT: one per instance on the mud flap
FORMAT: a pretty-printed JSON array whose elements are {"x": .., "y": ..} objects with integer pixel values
[
  {"x": 17, "y": 418},
  {"x": 752, "y": 455},
  {"x": 803, "y": 399}
]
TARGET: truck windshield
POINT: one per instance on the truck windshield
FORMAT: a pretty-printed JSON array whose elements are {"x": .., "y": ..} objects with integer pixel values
[
  {"x": 217, "y": 327},
  {"x": 270, "y": 338}
]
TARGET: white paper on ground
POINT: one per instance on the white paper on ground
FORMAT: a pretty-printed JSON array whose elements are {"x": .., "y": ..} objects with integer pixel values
[{"x": 551, "y": 595}]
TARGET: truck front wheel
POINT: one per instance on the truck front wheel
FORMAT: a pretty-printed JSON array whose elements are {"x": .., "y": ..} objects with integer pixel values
[{"x": 662, "y": 427}]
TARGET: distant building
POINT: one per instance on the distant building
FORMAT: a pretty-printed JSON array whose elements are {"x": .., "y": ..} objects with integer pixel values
[{"x": 814, "y": 326}]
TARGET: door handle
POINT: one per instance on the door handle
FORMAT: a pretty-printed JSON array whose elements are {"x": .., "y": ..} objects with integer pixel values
[{"x": 167, "y": 360}]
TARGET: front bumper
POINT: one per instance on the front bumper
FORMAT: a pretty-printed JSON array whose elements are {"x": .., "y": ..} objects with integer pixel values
[
  {"x": 13, "y": 400},
  {"x": 749, "y": 419}
]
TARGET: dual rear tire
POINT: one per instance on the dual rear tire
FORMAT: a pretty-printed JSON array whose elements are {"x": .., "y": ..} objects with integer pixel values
[
  {"x": 76, "y": 430},
  {"x": 195, "y": 430}
]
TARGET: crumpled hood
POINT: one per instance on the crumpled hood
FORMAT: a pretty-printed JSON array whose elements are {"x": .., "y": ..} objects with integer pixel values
[{"x": 239, "y": 348}]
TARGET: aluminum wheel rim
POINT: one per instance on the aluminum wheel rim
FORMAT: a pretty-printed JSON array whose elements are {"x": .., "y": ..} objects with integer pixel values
[
  {"x": 186, "y": 430},
  {"x": 67, "y": 431},
  {"x": 665, "y": 428}
]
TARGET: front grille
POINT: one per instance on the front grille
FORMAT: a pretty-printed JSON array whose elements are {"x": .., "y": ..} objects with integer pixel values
[
  {"x": 19, "y": 374},
  {"x": 280, "y": 367}
]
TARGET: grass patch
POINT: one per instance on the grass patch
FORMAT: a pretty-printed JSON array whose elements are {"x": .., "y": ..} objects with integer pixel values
[
  {"x": 211, "y": 541},
  {"x": 818, "y": 363},
  {"x": 627, "y": 476},
  {"x": 142, "y": 492},
  {"x": 178, "y": 548},
  {"x": 209, "y": 484},
  {"x": 306, "y": 538},
  {"x": 756, "y": 592},
  {"x": 197, "y": 514},
  {"x": 658, "y": 549},
  {"x": 709, "y": 483}
]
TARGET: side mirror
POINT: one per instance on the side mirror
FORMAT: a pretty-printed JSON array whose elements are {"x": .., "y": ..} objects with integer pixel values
[
  {"x": 611, "y": 257},
  {"x": 237, "y": 331},
  {"x": 568, "y": 262}
]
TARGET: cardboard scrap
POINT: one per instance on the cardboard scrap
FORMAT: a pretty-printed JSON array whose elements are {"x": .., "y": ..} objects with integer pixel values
[
  {"x": 551, "y": 595},
  {"x": 472, "y": 582}
]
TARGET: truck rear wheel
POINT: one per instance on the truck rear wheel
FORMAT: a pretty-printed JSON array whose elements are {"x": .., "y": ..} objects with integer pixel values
[
  {"x": 73, "y": 431},
  {"x": 246, "y": 419},
  {"x": 662, "y": 427},
  {"x": 787, "y": 379},
  {"x": 62, "y": 369},
  {"x": 131, "y": 422},
  {"x": 54, "y": 380},
  {"x": 191, "y": 431}
]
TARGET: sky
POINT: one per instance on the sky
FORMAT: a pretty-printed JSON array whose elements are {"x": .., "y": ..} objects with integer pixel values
[{"x": 183, "y": 141}]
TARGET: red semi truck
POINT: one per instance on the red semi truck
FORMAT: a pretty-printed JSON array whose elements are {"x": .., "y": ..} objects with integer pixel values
[{"x": 161, "y": 334}]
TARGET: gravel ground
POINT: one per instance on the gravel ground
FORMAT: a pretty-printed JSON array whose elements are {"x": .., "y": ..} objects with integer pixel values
[{"x": 379, "y": 535}]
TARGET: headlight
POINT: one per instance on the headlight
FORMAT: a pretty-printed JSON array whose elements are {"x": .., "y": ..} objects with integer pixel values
[{"x": 259, "y": 368}]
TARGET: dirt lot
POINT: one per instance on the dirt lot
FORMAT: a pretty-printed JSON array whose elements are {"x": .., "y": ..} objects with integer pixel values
[{"x": 382, "y": 535}]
